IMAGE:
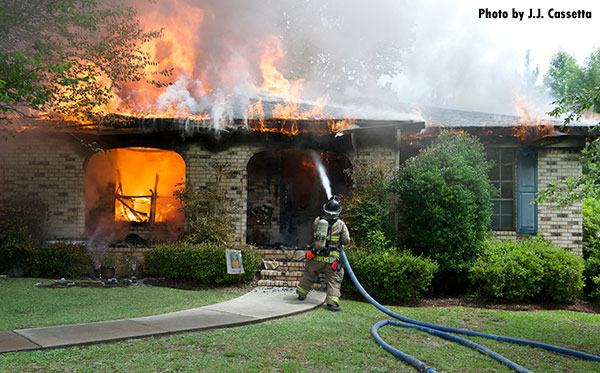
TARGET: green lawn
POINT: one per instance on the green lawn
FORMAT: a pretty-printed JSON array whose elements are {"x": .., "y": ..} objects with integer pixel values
[
  {"x": 315, "y": 341},
  {"x": 23, "y": 305}
]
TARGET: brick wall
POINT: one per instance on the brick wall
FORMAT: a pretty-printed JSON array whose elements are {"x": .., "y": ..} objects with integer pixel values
[
  {"x": 263, "y": 191},
  {"x": 200, "y": 172},
  {"x": 563, "y": 227},
  {"x": 49, "y": 167},
  {"x": 377, "y": 153}
]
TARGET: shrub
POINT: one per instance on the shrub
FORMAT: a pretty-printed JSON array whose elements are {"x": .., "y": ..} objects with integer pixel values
[
  {"x": 592, "y": 278},
  {"x": 21, "y": 228},
  {"x": 389, "y": 275},
  {"x": 369, "y": 205},
  {"x": 208, "y": 210},
  {"x": 57, "y": 260},
  {"x": 591, "y": 225},
  {"x": 205, "y": 264},
  {"x": 528, "y": 269},
  {"x": 591, "y": 247},
  {"x": 446, "y": 198}
]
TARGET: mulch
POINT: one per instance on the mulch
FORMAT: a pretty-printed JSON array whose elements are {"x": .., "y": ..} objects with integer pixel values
[{"x": 472, "y": 302}]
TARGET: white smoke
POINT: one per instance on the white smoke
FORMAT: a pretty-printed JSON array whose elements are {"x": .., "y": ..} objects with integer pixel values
[
  {"x": 385, "y": 52},
  {"x": 322, "y": 173}
]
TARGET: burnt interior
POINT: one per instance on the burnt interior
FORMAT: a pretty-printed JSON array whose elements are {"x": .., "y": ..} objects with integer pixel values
[
  {"x": 132, "y": 191},
  {"x": 285, "y": 194}
]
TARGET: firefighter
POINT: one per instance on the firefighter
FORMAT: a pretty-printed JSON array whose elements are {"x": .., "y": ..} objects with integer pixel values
[{"x": 330, "y": 232}]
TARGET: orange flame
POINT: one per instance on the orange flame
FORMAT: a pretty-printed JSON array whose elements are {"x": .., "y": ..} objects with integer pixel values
[
  {"x": 529, "y": 127},
  {"x": 196, "y": 79}
]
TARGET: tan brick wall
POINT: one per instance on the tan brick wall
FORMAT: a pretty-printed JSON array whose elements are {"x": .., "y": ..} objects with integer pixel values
[
  {"x": 376, "y": 153},
  {"x": 199, "y": 172},
  {"x": 49, "y": 167},
  {"x": 564, "y": 227}
]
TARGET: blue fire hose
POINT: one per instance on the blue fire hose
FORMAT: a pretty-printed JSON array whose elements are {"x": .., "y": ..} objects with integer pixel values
[{"x": 443, "y": 332}]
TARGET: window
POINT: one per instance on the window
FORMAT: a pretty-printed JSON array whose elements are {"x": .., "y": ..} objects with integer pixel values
[{"x": 502, "y": 176}]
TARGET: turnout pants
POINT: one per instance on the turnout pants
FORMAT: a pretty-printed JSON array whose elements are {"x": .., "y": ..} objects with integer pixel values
[{"x": 312, "y": 268}]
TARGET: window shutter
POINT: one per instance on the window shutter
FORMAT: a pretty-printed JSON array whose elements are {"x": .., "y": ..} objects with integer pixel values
[{"x": 526, "y": 191}]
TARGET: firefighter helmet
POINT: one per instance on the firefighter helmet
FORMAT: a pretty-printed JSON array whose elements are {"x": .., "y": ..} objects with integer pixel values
[{"x": 332, "y": 207}]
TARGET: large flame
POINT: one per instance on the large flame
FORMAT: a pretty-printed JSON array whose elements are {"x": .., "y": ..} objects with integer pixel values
[
  {"x": 143, "y": 182},
  {"x": 530, "y": 127},
  {"x": 210, "y": 78}
]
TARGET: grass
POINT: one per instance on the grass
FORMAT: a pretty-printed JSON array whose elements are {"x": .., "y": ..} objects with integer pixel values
[
  {"x": 324, "y": 341},
  {"x": 23, "y": 305}
]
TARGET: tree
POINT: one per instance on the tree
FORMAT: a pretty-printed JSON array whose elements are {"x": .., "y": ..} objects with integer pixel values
[
  {"x": 576, "y": 88},
  {"x": 446, "y": 205},
  {"x": 67, "y": 56},
  {"x": 363, "y": 44}
]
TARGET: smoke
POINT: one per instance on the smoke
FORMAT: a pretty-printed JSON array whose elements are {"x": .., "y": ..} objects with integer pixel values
[
  {"x": 351, "y": 53},
  {"x": 322, "y": 173},
  {"x": 220, "y": 54},
  {"x": 456, "y": 62}
]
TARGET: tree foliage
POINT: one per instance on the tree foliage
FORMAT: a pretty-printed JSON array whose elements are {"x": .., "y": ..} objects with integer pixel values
[
  {"x": 576, "y": 88},
  {"x": 67, "y": 56},
  {"x": 208, "y": 210},
  {"x": 370, "y": 205},
  {"x": 446, "y": 204},
  {"x": 360, "y": 48}
]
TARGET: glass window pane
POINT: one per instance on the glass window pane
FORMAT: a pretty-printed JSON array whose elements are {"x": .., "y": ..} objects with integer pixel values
[
  {"x": 506, "y": 190},
  {"x": 496, "y": 208},
  {"x": 495, "y": 172},
  {"x": 507, "y": 172},
  {"x": 493, "y": 154},
  {"x": 506, "y": 208},
  {"x": 506, "y": 222},
  {"x": 495, "y": 222},
  {"x": 506, "y": 156}
]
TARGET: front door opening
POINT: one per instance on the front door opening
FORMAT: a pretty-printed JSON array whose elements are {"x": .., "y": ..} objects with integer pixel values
[{"x": 285, "y": 194}]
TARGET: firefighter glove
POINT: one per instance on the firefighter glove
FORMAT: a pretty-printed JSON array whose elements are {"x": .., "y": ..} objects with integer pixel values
[{"x": 336, "y": 265}]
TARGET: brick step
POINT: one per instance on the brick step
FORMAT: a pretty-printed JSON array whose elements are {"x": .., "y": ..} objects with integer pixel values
[
  {"x": 283, "y": 255},
  {"x": 277, "y": 273},
  {"x": 290, "y": 284},
  {"x": 283, "y": 266}
]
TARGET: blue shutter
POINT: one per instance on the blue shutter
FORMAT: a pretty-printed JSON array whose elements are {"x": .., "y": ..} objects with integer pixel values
[{"x": 526, "y": 191}]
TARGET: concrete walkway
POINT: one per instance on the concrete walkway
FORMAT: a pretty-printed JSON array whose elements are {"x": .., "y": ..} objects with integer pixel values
[{"x": 258, "y": 305}]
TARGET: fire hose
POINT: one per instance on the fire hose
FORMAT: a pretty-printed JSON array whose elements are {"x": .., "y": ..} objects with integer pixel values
[{"x": 443, "y": 332}]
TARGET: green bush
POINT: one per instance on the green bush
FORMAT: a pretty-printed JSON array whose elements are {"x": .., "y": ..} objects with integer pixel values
[
  {"x": 390, "y": 275},
  {"x": 446, "y": 205},
  {"x": 208, "y": 209},
  {"x": 205, "y": 264},
  {"x": 57, "y": 260},
  {"x": 591, "y": 225},
  {"x": 591, "y": 247},
  {"x": 525, "y": 270},
  {"x": 592, "y": 278},
  {"x": 369, "y": 205},
  {"x": 21, "y": 228}
]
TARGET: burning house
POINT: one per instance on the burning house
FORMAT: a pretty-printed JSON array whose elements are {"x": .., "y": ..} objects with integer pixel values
[
  {"x": 267, "y": 167},
  {"x": 227, "y": 117}
]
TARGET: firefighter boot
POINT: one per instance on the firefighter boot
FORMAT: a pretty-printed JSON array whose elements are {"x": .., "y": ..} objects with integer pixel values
[{"x": 333, "y": 306}]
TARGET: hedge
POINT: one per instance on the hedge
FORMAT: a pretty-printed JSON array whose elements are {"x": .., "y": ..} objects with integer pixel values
[
  {"x": 527, "y": 270},
  {"x": 392, "y": 276},
  {"x": 57, "y": 260},
  {"x": 202, "y": 263}
]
